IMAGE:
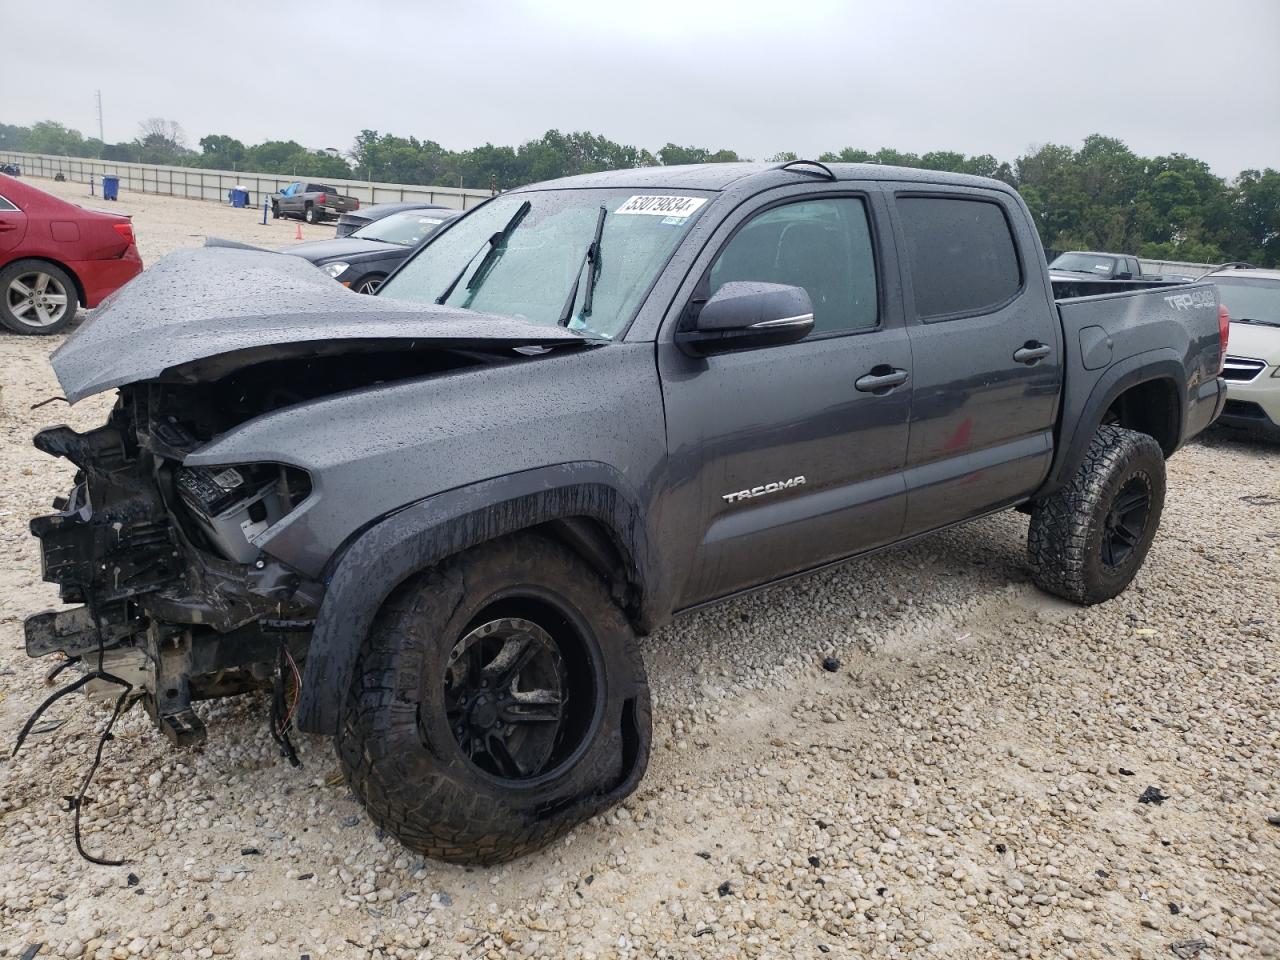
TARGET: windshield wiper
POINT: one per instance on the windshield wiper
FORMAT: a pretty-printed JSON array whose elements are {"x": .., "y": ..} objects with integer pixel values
[
  {"x": 493, "y": 243},
  {"x": 592, "y": 256},
  {"x": 1261, "y": 323}
]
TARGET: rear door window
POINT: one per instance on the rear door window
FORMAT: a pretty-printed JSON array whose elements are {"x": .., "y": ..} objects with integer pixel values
[
  {"x": 961, "y": 254},
  {"x": 6, "y": 205}
]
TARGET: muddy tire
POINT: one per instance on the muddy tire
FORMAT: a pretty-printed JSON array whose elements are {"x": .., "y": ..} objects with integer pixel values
[
  {"x": 499, "y": 700},
  {"x": 1087, "y": 540}
]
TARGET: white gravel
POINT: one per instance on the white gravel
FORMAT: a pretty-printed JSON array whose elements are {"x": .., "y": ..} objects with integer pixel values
[{"x": 965, "y": 784}]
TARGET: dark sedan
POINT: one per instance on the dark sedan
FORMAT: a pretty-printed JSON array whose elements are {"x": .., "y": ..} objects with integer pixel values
[
  {"x": 353, "y": 220},
  {"x": 364, "y": 259}
]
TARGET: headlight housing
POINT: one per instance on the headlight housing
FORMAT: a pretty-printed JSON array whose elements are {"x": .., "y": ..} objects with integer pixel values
[
  {"x": 335, "y": 269},
  {"x": 234, "y": 504}
]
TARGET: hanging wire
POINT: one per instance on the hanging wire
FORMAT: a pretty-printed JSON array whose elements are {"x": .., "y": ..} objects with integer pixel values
[{"x": 77, "y": 802}]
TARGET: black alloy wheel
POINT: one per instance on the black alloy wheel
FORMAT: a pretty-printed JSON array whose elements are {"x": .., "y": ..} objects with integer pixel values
[
  {"x": 506, "y": 693},
  {"x": 1126, "y": 521}
]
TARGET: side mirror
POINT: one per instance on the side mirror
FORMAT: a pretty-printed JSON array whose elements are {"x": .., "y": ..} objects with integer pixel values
[
  {"x": 743, "y": 314},
  {"x": 1123, "y": 275}
]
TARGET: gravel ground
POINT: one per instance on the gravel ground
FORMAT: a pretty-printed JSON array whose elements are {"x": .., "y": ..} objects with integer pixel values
[{"x": 965, "y": 784}]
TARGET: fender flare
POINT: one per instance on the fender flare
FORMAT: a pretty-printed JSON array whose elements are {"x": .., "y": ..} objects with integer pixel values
[
  {"x": 1160, "y": 364},
  {"x": 413, "y": 538}
]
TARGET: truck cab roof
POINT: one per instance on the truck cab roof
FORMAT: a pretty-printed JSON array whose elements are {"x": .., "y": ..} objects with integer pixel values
[{"x": 726, "y": 176}]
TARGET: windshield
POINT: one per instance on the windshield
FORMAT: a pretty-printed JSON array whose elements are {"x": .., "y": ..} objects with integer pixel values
[
  {"x": 407, "y": 229},
  {"x": 1084, "y": 263},
  {"x": 1250, "y": 298},
  {"x": 531, "y": 272}
]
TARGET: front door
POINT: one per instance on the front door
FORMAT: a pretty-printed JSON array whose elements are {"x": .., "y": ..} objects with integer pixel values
[{"x": 781, "y": 458}]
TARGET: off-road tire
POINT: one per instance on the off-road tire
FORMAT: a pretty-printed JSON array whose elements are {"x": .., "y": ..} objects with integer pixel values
[
  {"x": 10, "y": 321},
  {"x": 311, "y": 215},
  {"x": 399, "y": 753},
  {"x": 1065, "y": 539}
]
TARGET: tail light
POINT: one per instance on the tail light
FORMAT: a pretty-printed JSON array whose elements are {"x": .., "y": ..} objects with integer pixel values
[
  {"x": 125, "y": 230},
  {"x": 1224, "y": 334},
  {"x": 357, "y": 206},
  {"x": 321, "y": 198}
]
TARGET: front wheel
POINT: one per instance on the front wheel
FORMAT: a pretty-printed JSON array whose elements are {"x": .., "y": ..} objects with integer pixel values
[
  {"x": 275, "y": 211},
  {"x": 1087, "y": 540},
  {"x": 369, "y": 284},
  {"x": 498, "y": 701}
]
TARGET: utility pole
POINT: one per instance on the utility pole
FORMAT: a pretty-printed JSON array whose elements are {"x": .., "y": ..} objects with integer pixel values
[{"x": 101, "y": 137}]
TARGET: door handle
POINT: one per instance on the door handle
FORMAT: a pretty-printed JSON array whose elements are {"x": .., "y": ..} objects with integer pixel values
[
  {"x": 881, "y": 379},
  {"x": 5, "y": 226},
  {"x": 1032, "y": 352}
]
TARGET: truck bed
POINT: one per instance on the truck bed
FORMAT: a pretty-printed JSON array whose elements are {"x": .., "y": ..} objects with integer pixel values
[{"x": 1124, "y": 335}]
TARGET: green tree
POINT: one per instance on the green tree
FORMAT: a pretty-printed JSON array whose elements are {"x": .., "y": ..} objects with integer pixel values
[
  {"x": 1258, "y": 211},
  {"x": 221, "y": 152},
  {"x": 14, "y": 137},
  {"x": 54, "y": 138},
  {"x": 672, "y": 155},
  {"x": 1100, "y": 196}
]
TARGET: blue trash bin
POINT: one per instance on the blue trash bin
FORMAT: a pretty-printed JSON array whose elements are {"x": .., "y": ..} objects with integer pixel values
[
  {"x": 110, "y": 188},
  {"x": 239, "y": 198}
]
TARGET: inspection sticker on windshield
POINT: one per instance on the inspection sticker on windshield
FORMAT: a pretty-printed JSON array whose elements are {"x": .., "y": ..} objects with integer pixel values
[{"x": 654, "y": 206}]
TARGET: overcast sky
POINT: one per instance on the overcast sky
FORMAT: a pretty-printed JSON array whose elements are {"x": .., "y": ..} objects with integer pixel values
[{"x": 978, "y": 76}]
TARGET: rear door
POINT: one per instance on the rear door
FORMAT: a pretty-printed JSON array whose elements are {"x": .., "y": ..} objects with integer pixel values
[
  {"x": 986, "y": 347},
  {"x": 819, "y": 458},
  {"x": 13, "y": 225}
]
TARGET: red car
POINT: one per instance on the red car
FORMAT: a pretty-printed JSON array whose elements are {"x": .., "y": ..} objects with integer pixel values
[{"x": 56, "y": 257}]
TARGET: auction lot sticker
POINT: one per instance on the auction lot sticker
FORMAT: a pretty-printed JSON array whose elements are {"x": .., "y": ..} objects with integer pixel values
[{"x": 659, "y": 206}]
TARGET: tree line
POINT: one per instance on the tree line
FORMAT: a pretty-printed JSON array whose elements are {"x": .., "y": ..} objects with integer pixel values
[{"x": 1100, "y": 196}]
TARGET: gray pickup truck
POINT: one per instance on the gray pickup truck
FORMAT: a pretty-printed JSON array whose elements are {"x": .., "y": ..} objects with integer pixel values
[
  {"x": 313, "y": 202},
  {"x": 433, "y": 522}
]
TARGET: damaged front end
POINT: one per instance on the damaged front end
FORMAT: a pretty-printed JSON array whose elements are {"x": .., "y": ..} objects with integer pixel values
[
  {"x": 175, "y": 598},
  {"x": 181, "y": 594}
]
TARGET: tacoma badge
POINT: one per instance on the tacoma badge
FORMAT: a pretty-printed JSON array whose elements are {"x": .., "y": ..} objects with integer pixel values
[{"x": 776, "y": 487}]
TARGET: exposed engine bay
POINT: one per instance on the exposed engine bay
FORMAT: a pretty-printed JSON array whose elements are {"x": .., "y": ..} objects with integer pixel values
[{"x": 176, "y": 599}]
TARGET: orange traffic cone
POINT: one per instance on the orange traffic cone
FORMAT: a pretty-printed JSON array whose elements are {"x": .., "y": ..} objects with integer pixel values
[{"x": 298, "y": 235}]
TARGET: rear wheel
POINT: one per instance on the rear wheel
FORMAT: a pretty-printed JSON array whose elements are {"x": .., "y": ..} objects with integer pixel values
[
  {"x": 36, "y": 297},
  {"x": 498, "y": 701},
  {"x": 311, "y": 215},
  {"x": 1087, "y": 541}
]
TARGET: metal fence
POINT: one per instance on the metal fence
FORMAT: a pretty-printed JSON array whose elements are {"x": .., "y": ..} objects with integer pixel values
[{"x": 197, "y": 184}]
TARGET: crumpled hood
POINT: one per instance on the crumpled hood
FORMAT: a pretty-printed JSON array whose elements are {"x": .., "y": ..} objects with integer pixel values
[{"x": 201, "y": 314}]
